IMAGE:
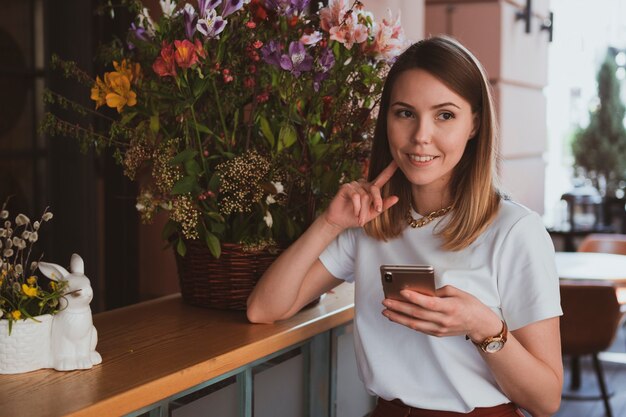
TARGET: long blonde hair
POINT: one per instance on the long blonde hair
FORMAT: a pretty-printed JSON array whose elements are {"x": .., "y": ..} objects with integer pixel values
[{"x": 473, "y": 185}]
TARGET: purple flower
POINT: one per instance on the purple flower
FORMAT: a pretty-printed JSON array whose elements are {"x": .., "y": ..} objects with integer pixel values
[
  {"x": 298, "y": 59},
  {"x": 271, "y": 53},
  {"x": 191, "y": 19},
  {"x": 205, "y": 5},
  {"x": 287, "y": 7},
  {"x": 231, "y": 6},
  {"x": 325, "y": 62},
  {"x": 139, "y": 32},
  {"x": 212, "y": 25}
]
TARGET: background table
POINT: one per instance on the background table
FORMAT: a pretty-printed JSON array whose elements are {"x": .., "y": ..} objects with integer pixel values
[{"x": 591, "y": 266}]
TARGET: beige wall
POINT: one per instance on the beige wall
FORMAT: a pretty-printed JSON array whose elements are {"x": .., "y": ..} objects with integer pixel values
[{"x": 516, "y": 63}]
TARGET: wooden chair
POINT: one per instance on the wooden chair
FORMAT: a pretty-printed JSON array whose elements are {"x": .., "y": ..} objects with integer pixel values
[
  {"x": 604, "y": 243},
  {"x": 591, "y": 318}
]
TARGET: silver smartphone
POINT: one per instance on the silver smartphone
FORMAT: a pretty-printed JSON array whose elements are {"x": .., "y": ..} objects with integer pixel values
[{"x": 395, "y": 278}]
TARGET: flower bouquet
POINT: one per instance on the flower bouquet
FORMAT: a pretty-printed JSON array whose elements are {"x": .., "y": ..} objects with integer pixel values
[{"x": 239, "y": 118}]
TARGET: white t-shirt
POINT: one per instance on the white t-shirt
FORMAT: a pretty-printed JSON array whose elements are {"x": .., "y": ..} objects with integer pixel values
[{"x": 510, "y": 268}]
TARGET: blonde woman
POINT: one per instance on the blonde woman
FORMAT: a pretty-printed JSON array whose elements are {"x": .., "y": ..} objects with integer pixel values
[{"x": 487, "y": 344}]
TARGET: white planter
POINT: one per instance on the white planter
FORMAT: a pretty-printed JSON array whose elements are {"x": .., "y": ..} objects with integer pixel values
[{"x": 27, "y": 348}]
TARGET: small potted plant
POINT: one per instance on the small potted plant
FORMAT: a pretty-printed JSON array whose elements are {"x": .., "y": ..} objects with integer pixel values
[{"x": 28, "y": 300}]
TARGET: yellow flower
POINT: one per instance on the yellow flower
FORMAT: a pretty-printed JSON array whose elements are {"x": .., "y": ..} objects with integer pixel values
[
  {"x": 120, "y": 94},
  {"x": 16, "y": 314},
  {"x": 53, "y": 285},
  {"x": 99, "y": 92},
  {"x": 29, "y": 291},
  {"x": 32, "y": 280},
  {"x": 130, "y": 70}
]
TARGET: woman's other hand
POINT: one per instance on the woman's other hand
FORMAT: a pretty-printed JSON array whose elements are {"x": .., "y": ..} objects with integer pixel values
[
  {"x": 358, "y": 202},
  {"x": 451, "y": 312}
]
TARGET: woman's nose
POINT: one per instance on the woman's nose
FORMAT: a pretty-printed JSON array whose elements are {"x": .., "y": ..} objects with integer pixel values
[{"x": 423, "y": 133}]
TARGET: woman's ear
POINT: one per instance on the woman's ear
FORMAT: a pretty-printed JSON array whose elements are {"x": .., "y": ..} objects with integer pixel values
[{"x": 476, "y": 125}]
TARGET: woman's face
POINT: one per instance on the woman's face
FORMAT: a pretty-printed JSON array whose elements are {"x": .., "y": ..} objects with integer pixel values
[{"x": 428, "y": 126}]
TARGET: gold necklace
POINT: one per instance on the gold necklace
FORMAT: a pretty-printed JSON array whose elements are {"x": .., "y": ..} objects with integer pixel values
[{"x": 426, "y": 219}]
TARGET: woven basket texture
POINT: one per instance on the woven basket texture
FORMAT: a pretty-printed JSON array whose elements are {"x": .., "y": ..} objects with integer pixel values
[{"x": 223, "y": 283}]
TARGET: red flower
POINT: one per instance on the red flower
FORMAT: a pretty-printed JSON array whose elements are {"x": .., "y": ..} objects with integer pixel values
[
  {"x": 185, "y": 54},
  {"x": 164, "y": 65},
  {"x": 258, "y": 10},
  {"x": 199, "y": 49},
  {"x": 249, "y": 82}
]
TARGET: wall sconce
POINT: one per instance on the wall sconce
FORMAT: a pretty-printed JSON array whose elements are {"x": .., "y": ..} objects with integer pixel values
[
  {"x": 525, "y": 15},
  {"x": 549, "y": 26}
]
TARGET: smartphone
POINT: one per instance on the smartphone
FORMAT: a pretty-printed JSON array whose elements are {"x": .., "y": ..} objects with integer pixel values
[{"x": 395, "y": 278}]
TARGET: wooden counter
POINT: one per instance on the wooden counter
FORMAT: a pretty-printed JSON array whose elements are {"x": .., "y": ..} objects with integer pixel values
[{"x": 156, "y": 349}]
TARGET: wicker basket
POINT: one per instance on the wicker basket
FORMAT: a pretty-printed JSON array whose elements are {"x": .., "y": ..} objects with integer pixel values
[{"x": 223, "y": 283}]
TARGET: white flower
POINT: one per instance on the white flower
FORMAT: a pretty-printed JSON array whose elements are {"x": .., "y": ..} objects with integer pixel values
[
  {"x": 19, "y": 243},
  {"x": 280, "y": 189},
  {"x": 168, "y": 7},
  {"x": 270, "y": 200},
  {"x": 269, "y": 221},
  {"x": 3, "y": 232},
  {"x": 4, "y": 214},
  {"x": 19, "y": 269},
  {"x": 1, "y": 244},
  {"x": 34, "y": 265},
  {"x": 46, "y": 216},
  {"x": 9, "y": 243},
  {"x": 7, "y": 253},
  {"x": 7, "y": 224},
  {"x": 25, "y": 234},
  {"x": 21, "y": 220},
  {"x": 1, "y": 314},
  {"x": 36, "y": 225},
  {"x": 140, "y": 207},
  {"x": 33, "y": 237},
  {"x": 146, "y": 22}
]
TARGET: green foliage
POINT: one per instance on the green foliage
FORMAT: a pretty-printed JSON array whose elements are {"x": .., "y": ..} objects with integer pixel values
[{"x": 600, "y": 148}]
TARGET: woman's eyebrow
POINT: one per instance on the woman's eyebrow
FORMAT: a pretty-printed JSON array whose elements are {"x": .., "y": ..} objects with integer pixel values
[{"x": 436, "y": 106}]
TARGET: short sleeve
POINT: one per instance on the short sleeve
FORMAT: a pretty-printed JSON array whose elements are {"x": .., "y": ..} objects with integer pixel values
[
  {"x": 338, "y": 257},
  {"x": 527, "y": 278}
]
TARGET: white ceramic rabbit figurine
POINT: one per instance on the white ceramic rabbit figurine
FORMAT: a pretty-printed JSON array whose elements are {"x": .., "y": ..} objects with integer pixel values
[{"x": 74, "y": 338}]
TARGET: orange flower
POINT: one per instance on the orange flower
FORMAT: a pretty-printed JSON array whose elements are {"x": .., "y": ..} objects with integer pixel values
[
  {"x": 185, "y": 54},
  {"x": 99, "y": 92},
  {"x": 132, "y": 71},
  {"x": 120, "y": 94}
]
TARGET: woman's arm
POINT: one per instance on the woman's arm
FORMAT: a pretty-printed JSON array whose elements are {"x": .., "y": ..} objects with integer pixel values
[
  {"x": 297, "y": 277},
  {"x": 528, "y": 368}
]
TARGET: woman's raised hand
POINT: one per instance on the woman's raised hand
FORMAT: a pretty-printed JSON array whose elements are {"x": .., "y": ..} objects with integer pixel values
[{"x": 358, "y": 202}]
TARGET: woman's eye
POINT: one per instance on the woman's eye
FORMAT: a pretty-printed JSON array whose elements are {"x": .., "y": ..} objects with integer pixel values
[
  {"x": 404, "y": 114},
  {"x": 445, "y": 116}
]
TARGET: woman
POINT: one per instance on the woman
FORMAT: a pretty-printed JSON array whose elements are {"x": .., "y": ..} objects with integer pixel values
[{"x": 488, "y": 342}]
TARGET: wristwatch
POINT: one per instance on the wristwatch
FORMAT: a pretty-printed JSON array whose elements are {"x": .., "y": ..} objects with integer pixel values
[{"x": 493, "y": 344}]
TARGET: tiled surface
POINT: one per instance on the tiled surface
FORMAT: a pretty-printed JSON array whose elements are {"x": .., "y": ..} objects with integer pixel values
[{"x": 615, "y": 375}]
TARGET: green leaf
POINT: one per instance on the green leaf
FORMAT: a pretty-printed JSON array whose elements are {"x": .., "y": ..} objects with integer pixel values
[
  {"x": 216, "y": 216},
  {"x": 193, "y": 168},
  {"x": 267, "y": 131},
  {"x": 184, "y": 186},
  {"x": 203, "y": 129},
  {"x": 184, "y": 156},
  {"x": 181, "y": 248},
  {"x": 213, "y": 243},
  {"x": 287, "y": 137},
  {"x": 154, "y": 123},
  {"x": 169, "y": 229}
]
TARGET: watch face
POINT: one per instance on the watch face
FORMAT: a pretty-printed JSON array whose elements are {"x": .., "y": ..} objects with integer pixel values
[{"x": 494, "y": 346}]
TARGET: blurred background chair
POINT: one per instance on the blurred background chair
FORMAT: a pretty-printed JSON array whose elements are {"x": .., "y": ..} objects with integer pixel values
[
  {"x": 606, "y": 243},
  {"x": 591, "y": 318}
]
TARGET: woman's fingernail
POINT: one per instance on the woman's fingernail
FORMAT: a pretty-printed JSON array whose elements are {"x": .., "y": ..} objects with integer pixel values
[{"x": 379, "y": 208}]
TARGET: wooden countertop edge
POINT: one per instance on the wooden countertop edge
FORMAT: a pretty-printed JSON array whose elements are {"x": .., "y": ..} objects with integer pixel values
[{"x": 159, "y": 389}]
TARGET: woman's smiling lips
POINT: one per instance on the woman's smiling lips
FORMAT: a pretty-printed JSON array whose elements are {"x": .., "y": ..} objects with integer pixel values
[{"x": 421, "y": 160}]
